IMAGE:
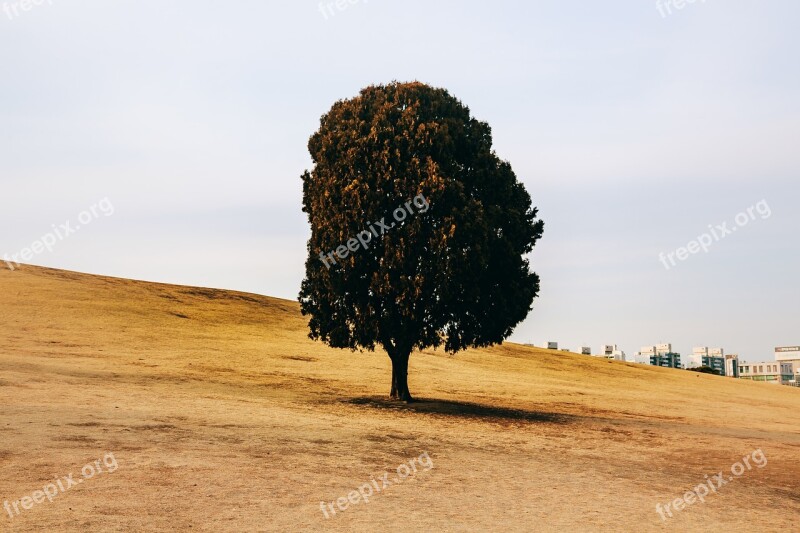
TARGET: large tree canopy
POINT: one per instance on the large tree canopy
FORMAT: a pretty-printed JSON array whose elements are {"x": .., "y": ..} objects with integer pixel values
[{"x": 451, "y": 268}]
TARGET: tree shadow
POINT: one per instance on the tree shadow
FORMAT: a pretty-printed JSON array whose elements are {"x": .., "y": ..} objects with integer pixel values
[{"x": 462, "y": 410}]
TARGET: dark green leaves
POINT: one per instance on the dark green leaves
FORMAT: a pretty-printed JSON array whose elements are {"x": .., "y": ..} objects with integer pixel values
[{"x": 454, "y": 274}]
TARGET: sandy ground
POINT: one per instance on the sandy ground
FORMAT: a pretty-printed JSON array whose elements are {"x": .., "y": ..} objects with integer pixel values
[{"x": 221, "y": 415}]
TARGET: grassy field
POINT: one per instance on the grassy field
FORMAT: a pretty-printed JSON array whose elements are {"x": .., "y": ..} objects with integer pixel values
[{"x": 221, "y": 415}]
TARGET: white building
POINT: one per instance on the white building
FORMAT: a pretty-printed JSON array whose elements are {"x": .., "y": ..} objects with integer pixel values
[
  {"x": 612, "y": 351},
  {"x": 695, "y": 360},
  {"x": 787, "y": 353},
  {"x": 732, "y": 365},
  {"x": 643, "y": 356},
  {"x": 795, "y": 381},
  {"x": 775, "y": 372},
  {"x": 660, "y": 355},
  {"x": 791, "y": 355},
  {"x": 657, "y": 349}
]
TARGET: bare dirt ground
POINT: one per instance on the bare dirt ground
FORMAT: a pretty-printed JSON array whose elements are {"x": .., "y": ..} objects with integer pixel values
[{"x": 222, "y": 415}]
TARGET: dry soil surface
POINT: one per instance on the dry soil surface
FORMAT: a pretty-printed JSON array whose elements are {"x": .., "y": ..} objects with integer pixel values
[{"x": 211, "y": 410}]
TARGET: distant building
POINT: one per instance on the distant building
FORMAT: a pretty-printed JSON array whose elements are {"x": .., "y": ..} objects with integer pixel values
[
  {"x": 667, "y": 360},
  {"x": 795, "y": 381},
  {"x": 695, "y": 360},
  {"x": 585, "y": 350},
  {"x": 715, "y": 363},
  {"x": 787, "y": 353},
  {"x": 776, "y": 372},
  {"x": 709, "y": 357},
  {"x": 714, "y": 358},
  {"x": 552, "y": 346},
  {"x": 663, "y": 348},
  {"x": 661, "y": 355},
  {"x": 611, "y": 351},
  {"x": 791, "y": 355},
  {"x": 657, "y": 349},
  {"x": 732, "y": 365}
]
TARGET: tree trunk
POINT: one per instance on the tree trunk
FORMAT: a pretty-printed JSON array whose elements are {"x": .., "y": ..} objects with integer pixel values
[{"x": 400, "y": 376}]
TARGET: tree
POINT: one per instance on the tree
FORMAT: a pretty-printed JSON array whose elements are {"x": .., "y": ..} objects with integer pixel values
[
  {"x": 705, "y": 370},
  {"x": 452, "y": 269}
]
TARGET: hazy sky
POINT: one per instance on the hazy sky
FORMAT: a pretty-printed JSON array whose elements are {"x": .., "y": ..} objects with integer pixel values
[{"x": 632, "y": 131}]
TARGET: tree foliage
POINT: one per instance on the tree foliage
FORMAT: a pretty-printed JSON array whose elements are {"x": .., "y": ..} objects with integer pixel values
[
  {"x": 454, "y": 275},
  {"x": 705, "y": 370}
]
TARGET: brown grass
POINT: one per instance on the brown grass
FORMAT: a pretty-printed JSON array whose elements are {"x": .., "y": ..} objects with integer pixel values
[{"x": 224, "y": 416}]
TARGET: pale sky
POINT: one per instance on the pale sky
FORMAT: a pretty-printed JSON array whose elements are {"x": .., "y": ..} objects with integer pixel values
[{"x": 632, "y": 131}]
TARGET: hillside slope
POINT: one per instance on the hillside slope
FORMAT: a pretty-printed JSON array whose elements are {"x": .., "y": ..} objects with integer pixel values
[{"x": 223, "y": 416}]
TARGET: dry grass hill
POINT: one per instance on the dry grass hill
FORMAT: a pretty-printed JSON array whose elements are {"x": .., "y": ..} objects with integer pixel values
[{"x": 222, "y": 415}]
